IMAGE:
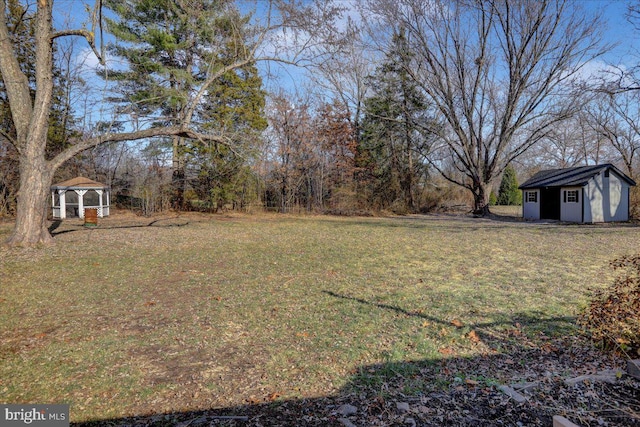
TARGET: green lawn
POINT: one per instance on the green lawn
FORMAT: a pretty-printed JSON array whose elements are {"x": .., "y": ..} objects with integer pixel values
[{"x": 184, "y": 313}]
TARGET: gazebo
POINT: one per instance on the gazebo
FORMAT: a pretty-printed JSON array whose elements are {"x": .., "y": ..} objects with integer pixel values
[{"x": 70, "y": 198}]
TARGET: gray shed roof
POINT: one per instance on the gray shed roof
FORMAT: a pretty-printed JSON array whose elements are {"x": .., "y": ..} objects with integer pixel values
[{"x": 570, "y": 177}]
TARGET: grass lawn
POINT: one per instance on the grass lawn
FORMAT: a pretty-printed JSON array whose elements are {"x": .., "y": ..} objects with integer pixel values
[{"x": 191, "y": 312}]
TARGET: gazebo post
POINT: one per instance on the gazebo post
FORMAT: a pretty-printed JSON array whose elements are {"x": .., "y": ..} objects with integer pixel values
[
  {"x": 81, "y": 194},
  {"x": 99, "y": 203},
  {"x": 63, "y": 203}
]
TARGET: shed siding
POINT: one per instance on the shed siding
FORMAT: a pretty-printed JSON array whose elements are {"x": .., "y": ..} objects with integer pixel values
[
  {"x": 607, "y": 199},
  {"x": 571, "y": 211},
  {"x": 531, "y": 210},
  {"x": 594, "y": 200},
  {"x": 618, "y": 206}
]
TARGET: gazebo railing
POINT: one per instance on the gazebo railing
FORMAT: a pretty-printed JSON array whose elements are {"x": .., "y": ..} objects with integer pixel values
[{"x": 102, "y": 210}]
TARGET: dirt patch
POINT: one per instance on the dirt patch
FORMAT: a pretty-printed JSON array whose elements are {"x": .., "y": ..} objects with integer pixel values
[{"x": 189, "y": 376}]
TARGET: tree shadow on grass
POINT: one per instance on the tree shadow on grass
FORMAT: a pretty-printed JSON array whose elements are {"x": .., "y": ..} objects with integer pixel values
[
  {"x": 453, "y": 390},
  {"x": 535, "y": 321},
  {"x": 79, "y": 227}
]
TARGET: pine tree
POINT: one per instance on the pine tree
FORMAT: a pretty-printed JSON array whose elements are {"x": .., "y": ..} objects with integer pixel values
[
  {"x": 234, "y": 107},
  {"x": 509, "y": 194},
  {"x": 392, "y": 139},
  {"x": 171, "y": 48}
]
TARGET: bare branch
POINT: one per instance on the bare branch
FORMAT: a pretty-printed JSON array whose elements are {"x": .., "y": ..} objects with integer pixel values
[{"x": 179, "y": 131}]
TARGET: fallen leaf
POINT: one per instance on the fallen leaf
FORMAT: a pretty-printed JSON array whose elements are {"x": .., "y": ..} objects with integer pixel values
[
  {"x": 471, "y": 382},
  {"x": 548, "y": 348},
  {"x": 252, "y": 401},
  {"x": 273, "y": 396},
  {"x": 446, "y": 351},
  {"x": 474, "y": 337},
  {"x": 150, "y": 303},
  {"x": 457, "y": 323}
]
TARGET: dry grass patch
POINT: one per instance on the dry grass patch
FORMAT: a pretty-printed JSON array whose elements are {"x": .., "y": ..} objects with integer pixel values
[{"x": 193, "y": 311}]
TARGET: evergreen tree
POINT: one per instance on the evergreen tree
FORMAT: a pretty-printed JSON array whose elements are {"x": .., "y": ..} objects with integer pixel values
[
  {"x": 493, "y": 199},
  {"x": 392, "y": 142},
  {"x": 234, "y": 107},
  {"x": 509, "y": 194},
  {"x": 171, "y": 48}
]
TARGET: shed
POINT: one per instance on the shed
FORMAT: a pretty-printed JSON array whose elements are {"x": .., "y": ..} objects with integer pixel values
[
  {"x": 584, "y": 194},
  {"x": 70, "y": 198}
]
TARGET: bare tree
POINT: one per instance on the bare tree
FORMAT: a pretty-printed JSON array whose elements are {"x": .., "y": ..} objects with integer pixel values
[
  {"x": 295, "y": 154},
  {"x": 344, "y": 74},
  {"x": 575, "y": 143},
  {"x": 615, "y": 117},
  {"x": 31, "y": 114},
  {"x": 498, "y": 73}
]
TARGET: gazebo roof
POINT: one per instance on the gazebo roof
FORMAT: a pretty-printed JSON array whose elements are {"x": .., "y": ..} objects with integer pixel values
[{"x": 78, "y": 182}]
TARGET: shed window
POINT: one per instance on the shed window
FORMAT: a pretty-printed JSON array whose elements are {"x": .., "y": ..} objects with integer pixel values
[
  {"x": 531, "y": 196},
  {"x": 571, "y": 196}
]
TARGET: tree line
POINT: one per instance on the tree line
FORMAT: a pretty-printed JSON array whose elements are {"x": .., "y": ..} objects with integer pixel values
[{"x": 409, "y": 106}]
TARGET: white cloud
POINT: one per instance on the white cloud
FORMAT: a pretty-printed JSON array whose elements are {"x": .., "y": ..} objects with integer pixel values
[
  {"x": 87, "y": 59},
  {"x": 600, "y": 70}
]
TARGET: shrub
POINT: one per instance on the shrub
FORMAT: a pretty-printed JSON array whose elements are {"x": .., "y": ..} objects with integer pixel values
[
  {"x": 613, "y": 314},
  {"x": 493, "y": 199},
  {"x": 509, "y": 194}
]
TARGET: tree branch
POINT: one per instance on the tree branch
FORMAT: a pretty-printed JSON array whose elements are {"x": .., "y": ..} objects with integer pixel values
[
  {"x": 179, "y": 131},
  {"x": 89, "y": 36}
]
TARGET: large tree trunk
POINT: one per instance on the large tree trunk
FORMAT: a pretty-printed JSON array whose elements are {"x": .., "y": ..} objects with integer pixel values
[
  {"x": 31, "y": 119},
  {"x": 481, "y": 192},
  {"x": 31, "y": 222}
]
